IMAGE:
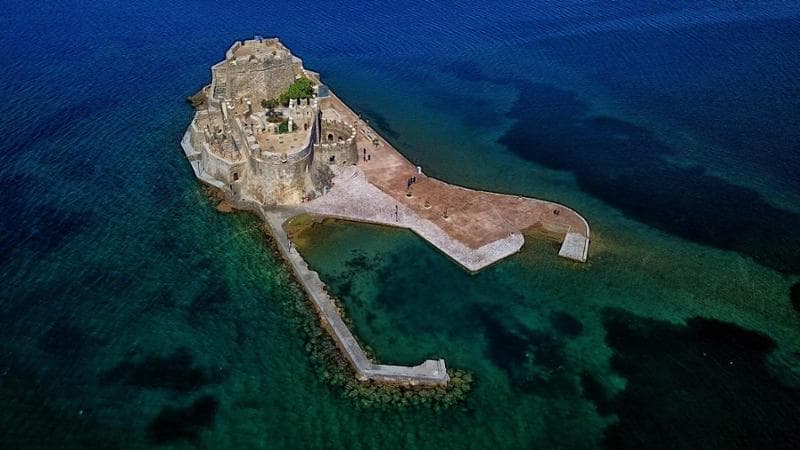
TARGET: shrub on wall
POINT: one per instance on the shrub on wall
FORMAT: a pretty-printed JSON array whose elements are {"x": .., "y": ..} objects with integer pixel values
[{"x": 301, "y": 88}]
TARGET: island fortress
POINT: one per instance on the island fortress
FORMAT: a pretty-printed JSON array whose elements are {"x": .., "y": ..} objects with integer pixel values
[
  {"x": 275, "y": 140},
  {"x": 249, "y": 144}
]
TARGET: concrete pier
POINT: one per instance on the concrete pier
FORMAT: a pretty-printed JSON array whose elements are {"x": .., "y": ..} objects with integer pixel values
[{"x": 474, "y": 228}]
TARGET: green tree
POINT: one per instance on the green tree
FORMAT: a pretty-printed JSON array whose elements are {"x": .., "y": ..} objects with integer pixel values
[
  {"x": 284, "y": 127},
  {"x": 300, "y": 88}
]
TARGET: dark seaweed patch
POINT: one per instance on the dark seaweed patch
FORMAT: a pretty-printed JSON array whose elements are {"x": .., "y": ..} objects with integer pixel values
[
  {"x": 594, "y": 390},
  {"x": 565, "y": 324},
  {"x": 173, "y": 424},
  {"x": 41, "y": 228},
  {"x": 358, "y": 262},
  {"x": 475, "y": 111},
  {"x": 211, "y": 298},
  {"x": 794, "y": 296},
  {"x": 164, "y": 298},
  {"x": 533, "y": 360},
  {"x": 177, "y": 372},
  {"x": 466, "y": 70},
  {"x": 703, "y": 385},
  {"x": 34, "y": 418},
  {"x": 204, "y": 264},
  {"x": 63, "y": 339},
  {"x": 609, "y": 158}
]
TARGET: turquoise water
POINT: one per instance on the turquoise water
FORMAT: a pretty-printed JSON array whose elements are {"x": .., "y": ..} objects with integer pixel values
[{"x": 134, "y": 315}]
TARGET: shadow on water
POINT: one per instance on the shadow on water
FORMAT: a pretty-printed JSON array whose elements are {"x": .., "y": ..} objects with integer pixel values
[
  {"x": 566, "y": 324},
  {"x": 173, "y": 424},
  {"x": 702, "y": 385},
  {"x": 176, "y": 372}
]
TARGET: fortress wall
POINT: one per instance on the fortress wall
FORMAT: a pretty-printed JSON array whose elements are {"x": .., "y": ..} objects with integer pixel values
[
  {"x": 232, "y": 50},
  {"x": 219, "y": 168},
  {"x": 275, "y": 178},
  {"x": 219, "y": 80},
  {"x": 342, "y": 153},
  {"x": 196, "y": 136},
  {"x": 247, "y": 144},
  {"x": 266, "y": 75},
  {"x": 278, "y": 183},
  {"x": 212, "y": 164},
  {"x": 265, "y": 177},
  {"x": 260, "y": 79},
  {"x": 304, "y": 115}
]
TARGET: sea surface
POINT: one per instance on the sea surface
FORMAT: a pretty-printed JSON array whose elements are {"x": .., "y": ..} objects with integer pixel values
[{"x": 133, "y": 315}]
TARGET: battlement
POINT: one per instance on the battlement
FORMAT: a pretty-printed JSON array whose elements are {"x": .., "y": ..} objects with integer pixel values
[
  {"x": 336, "y": 131},
  {"x": 259, "y": 49},
  {"x": 337, "y": 143}
]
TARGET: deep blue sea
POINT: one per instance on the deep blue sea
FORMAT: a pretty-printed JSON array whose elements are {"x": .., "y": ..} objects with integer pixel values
[{"x": 134, "y": 315}]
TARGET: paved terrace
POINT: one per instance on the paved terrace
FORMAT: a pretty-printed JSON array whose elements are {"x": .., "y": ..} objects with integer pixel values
[
  {"x": 474, "y": 228},
  {"x": 354, "y": 198}
]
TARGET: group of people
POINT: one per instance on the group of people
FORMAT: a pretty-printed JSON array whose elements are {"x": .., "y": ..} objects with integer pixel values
[
  {"x": 366, "y": 156},
  {"x": 410, "y": 181}
]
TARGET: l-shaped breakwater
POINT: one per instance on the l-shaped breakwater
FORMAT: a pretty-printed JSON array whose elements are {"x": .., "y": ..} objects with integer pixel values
[
  {"x": 340, "y": 167},
  {"x": 430, "y": 372}
]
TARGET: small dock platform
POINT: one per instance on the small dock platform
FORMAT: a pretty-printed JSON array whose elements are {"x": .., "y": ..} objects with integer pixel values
[{"x": 575, "y": 247}]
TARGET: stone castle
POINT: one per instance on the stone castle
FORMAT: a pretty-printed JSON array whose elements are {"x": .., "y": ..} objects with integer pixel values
[{"x": 254, "y": 148}]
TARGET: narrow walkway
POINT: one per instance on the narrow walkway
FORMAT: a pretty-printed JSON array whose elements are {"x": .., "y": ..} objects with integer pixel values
[{"x": 430, "y": 372}]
